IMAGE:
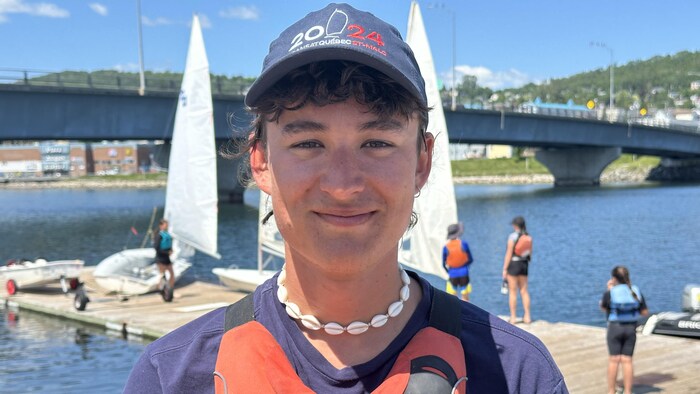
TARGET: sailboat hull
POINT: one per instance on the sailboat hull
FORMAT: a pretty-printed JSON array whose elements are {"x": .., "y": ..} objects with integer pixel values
[
  {"x": 36, "y": 274},
  {"x": 241, "y": 279},
  {"x": 133, "y": 272}
]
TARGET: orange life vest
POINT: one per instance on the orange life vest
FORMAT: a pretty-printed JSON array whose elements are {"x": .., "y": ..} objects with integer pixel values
[
  {"x": 523, "y": 246},
  {"x": 251, "y": 361},
  {"x": 456, "y": 256}
]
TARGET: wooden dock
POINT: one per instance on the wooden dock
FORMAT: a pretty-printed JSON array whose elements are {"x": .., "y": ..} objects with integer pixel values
[{"x": 662, "y": 363}]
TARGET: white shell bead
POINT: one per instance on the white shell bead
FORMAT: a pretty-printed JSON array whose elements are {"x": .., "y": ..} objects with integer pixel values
[
  {"x": 333, "y": 328},
  {"x": 405, "y": 293},
  {"x": 405, "y": 278},
  {"x": 395, "y": 308},
  {"x": 357, "y": 327},
  {"x": 379, "y": 320},
  {"x": 293, "y": 310},
  {"x": 282, "y": 277},
  {"x": 310, "y": 322},
  {"x": 282, "y": 294}
]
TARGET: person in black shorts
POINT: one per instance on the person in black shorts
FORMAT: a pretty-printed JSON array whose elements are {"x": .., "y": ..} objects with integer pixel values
[
  {"x": 163, "y": 243},
  {"x": 624, "y": 304},
  {"x": 515, "y": 266}
]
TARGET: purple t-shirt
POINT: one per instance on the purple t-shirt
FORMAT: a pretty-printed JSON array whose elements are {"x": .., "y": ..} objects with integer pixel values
[{"x": 500, "y": 357}]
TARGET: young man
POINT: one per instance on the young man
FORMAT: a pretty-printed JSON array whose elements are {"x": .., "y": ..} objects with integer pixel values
[{"x": 339, "y": 144}]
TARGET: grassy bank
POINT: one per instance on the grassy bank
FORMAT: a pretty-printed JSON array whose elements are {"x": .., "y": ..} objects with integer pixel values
[{"x": 530, "y": 166}]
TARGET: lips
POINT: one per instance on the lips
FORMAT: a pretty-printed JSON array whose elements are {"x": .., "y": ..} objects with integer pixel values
[{"x": 344, "y": 218}]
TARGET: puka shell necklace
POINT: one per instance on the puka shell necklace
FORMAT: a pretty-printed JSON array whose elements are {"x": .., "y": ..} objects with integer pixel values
[{"x": 332, "y": 328}]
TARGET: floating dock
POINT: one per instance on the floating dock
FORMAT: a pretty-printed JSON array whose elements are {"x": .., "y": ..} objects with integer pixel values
[{"x": 661, "y": 363}]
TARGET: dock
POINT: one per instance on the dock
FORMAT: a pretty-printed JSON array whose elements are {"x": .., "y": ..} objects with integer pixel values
[{"x": 661, "y": 363}]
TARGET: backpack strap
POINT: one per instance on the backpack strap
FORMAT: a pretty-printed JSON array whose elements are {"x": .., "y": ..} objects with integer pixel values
[
  {"x": 445, "y": 313},
  {"x": 239, "y": 313}
]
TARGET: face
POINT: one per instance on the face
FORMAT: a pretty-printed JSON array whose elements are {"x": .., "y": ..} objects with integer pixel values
[{"x": 342, "y": 183}]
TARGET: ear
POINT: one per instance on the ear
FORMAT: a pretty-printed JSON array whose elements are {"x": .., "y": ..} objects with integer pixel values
[
  {"x": 425, "y": 161},
  {"x": 259, "y": 167}
]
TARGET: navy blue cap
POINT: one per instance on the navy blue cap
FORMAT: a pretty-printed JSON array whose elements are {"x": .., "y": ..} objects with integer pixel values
[{"x": 340, "y": 32}]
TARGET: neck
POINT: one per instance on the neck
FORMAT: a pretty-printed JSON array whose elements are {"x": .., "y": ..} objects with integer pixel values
[{"x": 334, "y": 293}]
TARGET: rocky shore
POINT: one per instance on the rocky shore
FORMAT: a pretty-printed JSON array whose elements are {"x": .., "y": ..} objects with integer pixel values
[{"x": 619, "y": 175}]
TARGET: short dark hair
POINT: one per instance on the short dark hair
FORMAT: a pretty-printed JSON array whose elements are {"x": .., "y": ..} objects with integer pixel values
[{"x": 324, "y": 83}]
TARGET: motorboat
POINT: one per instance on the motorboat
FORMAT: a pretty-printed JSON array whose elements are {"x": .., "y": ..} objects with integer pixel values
[
  {"x": 191, "y": 200},
  {"x": 685, "y": 323},
  {"x": 25, "y": 274}
]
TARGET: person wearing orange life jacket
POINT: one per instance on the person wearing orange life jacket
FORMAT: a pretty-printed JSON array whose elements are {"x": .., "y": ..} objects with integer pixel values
[
  {"x": 515, "y": 268},
  {"x": 339, "y": 142},
  {"x": 456, "y": 259}
]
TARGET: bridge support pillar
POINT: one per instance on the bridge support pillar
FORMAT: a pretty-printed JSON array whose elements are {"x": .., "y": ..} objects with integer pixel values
[
  {"x": 230, "y": 189},
  {"x": 676, "y": 170},
  {"x": 577, "y": 166}
]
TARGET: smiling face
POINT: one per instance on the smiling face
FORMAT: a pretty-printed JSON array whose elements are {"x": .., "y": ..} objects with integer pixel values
[{"x": 342, "y": 182}]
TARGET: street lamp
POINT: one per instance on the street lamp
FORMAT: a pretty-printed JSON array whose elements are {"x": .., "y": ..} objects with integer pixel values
[
  {"x": 441, "y": 6},
  {"x": 142, "y": 79},
  {"x": 612, "y": 72}
]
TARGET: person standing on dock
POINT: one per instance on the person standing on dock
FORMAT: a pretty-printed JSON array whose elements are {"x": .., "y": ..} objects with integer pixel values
[
  {"x": 339, "y": 144},
  {"x": 515, "y": 268},
  {"x": 456, "y": 259},
  {"x": 163, "y": 243},
  {"x": 623, "y": 304}
]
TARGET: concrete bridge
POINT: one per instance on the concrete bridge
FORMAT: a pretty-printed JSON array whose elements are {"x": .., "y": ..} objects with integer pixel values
[{"x": 574, "y": 150}]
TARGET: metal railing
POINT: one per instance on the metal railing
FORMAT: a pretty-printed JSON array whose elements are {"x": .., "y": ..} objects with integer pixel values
[{"x": 112, "y": 81}]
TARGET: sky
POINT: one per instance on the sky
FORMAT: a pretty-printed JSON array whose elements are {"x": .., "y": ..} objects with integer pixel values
[{"x": 505, "y": 43}]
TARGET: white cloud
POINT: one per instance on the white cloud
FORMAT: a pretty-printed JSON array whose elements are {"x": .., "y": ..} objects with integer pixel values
[
  {"x": 99, "y": 9},
  {"x": 128, "y": 67},
  {"x": 492, "y": 79},
  {"x": 242, "y": 12},
  {"x": 159, "y": 21},
  {"x": 36, "y": 9}
]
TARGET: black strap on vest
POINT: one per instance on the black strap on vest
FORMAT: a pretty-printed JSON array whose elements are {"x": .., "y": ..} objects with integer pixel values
[
  {"x": 445, "y": 313},
  {"x": 239, "y": 313}
]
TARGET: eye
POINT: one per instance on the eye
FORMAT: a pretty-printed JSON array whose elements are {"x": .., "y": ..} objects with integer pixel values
[
  {"x": 307, "y": 144},
  {"x": 377, "y": 144}
]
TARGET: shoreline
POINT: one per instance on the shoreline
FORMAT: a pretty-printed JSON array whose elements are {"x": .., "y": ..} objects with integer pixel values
[{"x": 619, "y": 176}]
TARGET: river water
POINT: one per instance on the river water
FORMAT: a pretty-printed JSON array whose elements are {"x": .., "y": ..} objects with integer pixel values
[{"x": 579, "y": 235}]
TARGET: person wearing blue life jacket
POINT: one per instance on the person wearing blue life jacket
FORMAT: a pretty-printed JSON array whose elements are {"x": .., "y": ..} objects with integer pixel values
[
  {"x": 456, "y": 259},
  {"x": 163, "y": 243},
  {"x": 624, "y": 304}
]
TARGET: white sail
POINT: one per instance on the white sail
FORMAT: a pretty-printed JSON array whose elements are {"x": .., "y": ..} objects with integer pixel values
[
  {"x": 436, "y": 206},
  {"x": 192, "y": 196}
]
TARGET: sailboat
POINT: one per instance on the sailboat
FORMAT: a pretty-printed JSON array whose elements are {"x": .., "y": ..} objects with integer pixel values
[
  {"x": 191, "y": 195},
  {"x": 270, "y": 250},
  {"x": 436, "y": 206}
]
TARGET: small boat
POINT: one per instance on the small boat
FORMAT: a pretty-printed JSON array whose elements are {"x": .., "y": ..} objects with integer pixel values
[
  {"x": 270, "y": 249},
  {"x": 682, "y": 324},
  {"x": 25, "y": 274},
  {"x": 191, "y": 197}
]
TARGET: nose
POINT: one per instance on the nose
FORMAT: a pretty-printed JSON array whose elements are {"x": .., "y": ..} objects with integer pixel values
[{"x": 343, "y": 176}]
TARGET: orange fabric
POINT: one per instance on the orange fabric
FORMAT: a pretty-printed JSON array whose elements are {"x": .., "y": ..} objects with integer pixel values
[
  {"x": 523, "y": 246},
  {"x": 456, "y": 256},
  {"x": 251, "y": 361}
]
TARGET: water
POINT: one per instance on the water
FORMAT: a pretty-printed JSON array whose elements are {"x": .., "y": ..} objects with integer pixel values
[{"x": 579, "y": 235}]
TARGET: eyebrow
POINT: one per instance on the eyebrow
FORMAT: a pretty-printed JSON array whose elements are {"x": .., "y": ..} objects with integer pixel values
[{"x": 300, "y": 126}]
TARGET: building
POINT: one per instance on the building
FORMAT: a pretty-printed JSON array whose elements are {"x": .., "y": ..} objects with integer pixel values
[{"x": 63, "y": 158}]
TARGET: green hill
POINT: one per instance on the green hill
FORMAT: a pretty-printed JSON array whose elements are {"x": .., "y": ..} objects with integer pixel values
[{"x": 659, "y": 82}]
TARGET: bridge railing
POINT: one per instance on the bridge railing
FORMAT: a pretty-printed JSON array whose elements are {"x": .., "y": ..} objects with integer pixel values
[{"x": 113, "y": 81}]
